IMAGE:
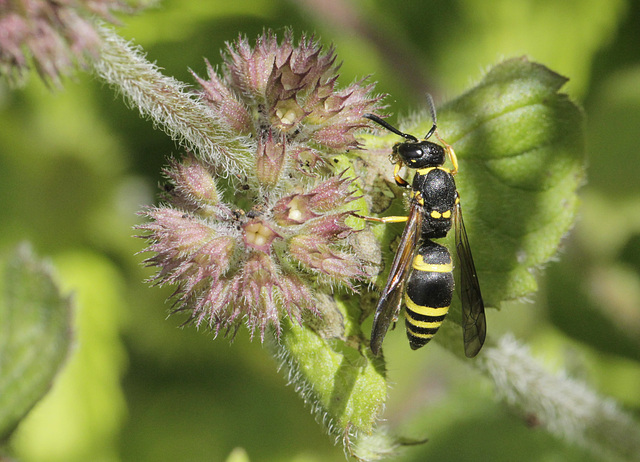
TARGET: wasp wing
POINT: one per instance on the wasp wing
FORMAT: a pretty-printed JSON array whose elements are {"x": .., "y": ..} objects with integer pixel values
[
  {"x": 391, "y": 298},
  {"x": 474, "y": 323}
]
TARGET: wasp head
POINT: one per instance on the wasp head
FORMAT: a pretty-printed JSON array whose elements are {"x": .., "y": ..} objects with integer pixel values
[{"x": 419, "y": 154}]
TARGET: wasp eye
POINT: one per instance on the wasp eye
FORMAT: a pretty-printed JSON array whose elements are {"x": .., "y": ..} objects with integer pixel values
[{"x": 410, "y": 151}]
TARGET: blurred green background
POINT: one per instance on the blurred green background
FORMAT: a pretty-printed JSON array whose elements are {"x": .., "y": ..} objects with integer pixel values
[{"x": 77, "y": 164}]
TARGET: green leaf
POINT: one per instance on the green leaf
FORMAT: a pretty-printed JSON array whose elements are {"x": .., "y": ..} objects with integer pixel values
[
  {"x": 343, "y": 384},
  {"x": 35, "y": 335},
  {"x": 521, "y": 149}
]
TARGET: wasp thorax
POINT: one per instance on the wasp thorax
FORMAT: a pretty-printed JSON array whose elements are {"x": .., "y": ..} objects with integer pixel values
[{"x": 420, "y": 154}]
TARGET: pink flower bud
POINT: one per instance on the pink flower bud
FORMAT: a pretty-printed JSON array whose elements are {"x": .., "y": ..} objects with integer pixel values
[{"x": 266, "y": 246}]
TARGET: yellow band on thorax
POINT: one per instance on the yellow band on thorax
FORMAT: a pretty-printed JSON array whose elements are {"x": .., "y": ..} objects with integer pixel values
[{"x": 426, "y": 170}]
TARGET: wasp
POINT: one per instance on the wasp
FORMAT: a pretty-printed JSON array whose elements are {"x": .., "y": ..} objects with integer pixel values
[{"x": 422, "y": 269}]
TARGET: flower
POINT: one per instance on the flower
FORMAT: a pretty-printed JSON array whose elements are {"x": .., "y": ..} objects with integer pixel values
[
  {"x": 54, "y": 34},
  {"x": 266, "y": 244}
]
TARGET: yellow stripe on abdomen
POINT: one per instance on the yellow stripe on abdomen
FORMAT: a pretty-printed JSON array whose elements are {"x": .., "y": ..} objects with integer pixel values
[
  {"x": 428, "y": 293},
  {"x": 420, "y": 265},
  {"x": 425, "y": 310},
  {"x": 422, "y": 324}
]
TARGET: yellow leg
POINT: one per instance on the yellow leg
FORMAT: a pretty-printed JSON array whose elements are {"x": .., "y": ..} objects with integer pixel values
[
  {"x": 399, "y": 180},
  {"x": 392, "y": 219},
  {"x": 450, "y": 153}
]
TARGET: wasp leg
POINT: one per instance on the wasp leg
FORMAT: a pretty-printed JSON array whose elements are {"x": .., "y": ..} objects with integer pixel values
[
  {"x": 417, "y": 199},
  {"x": 391, "y": 219},
  {"x": 399, "y": 180},
  {"x": 451, "y": 153}
]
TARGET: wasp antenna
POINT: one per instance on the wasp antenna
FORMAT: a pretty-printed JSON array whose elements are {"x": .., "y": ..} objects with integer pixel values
[
  {"x": 432, "y": 109},
  {"x": 389, "y": 127}
]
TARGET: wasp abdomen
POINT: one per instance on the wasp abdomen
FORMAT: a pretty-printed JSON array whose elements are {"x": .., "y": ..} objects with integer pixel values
[{"x": 429, "y": 291}]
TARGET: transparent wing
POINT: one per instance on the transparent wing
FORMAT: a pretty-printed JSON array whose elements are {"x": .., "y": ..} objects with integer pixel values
[
  {"x": 391, "y": 298},
  {"x": 474, "y": 323}
]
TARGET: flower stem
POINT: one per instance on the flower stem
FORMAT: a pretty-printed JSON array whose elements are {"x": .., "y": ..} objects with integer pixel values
[
  {"x": 563, "y": 406},
  {"x": 164, "y": 99}
]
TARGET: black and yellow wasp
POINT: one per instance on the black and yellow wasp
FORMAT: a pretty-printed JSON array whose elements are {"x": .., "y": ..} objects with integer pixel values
[{"x": 422, "y": 270}]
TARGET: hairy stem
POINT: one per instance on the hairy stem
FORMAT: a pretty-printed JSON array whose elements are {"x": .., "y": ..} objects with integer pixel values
[
  {"x": 164, "y": 99},
  {"x": 564, "y": 406}
]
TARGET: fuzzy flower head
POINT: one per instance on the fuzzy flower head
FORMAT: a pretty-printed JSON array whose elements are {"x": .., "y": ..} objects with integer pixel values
[
  {"x": 55, "y": 34},
  {"x": 254, "y": 247}
]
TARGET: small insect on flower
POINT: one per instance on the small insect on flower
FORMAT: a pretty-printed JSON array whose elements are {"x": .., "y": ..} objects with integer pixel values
[
  {"x": 425, "y": 276},
  {"x": 265, "y": 244}
]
